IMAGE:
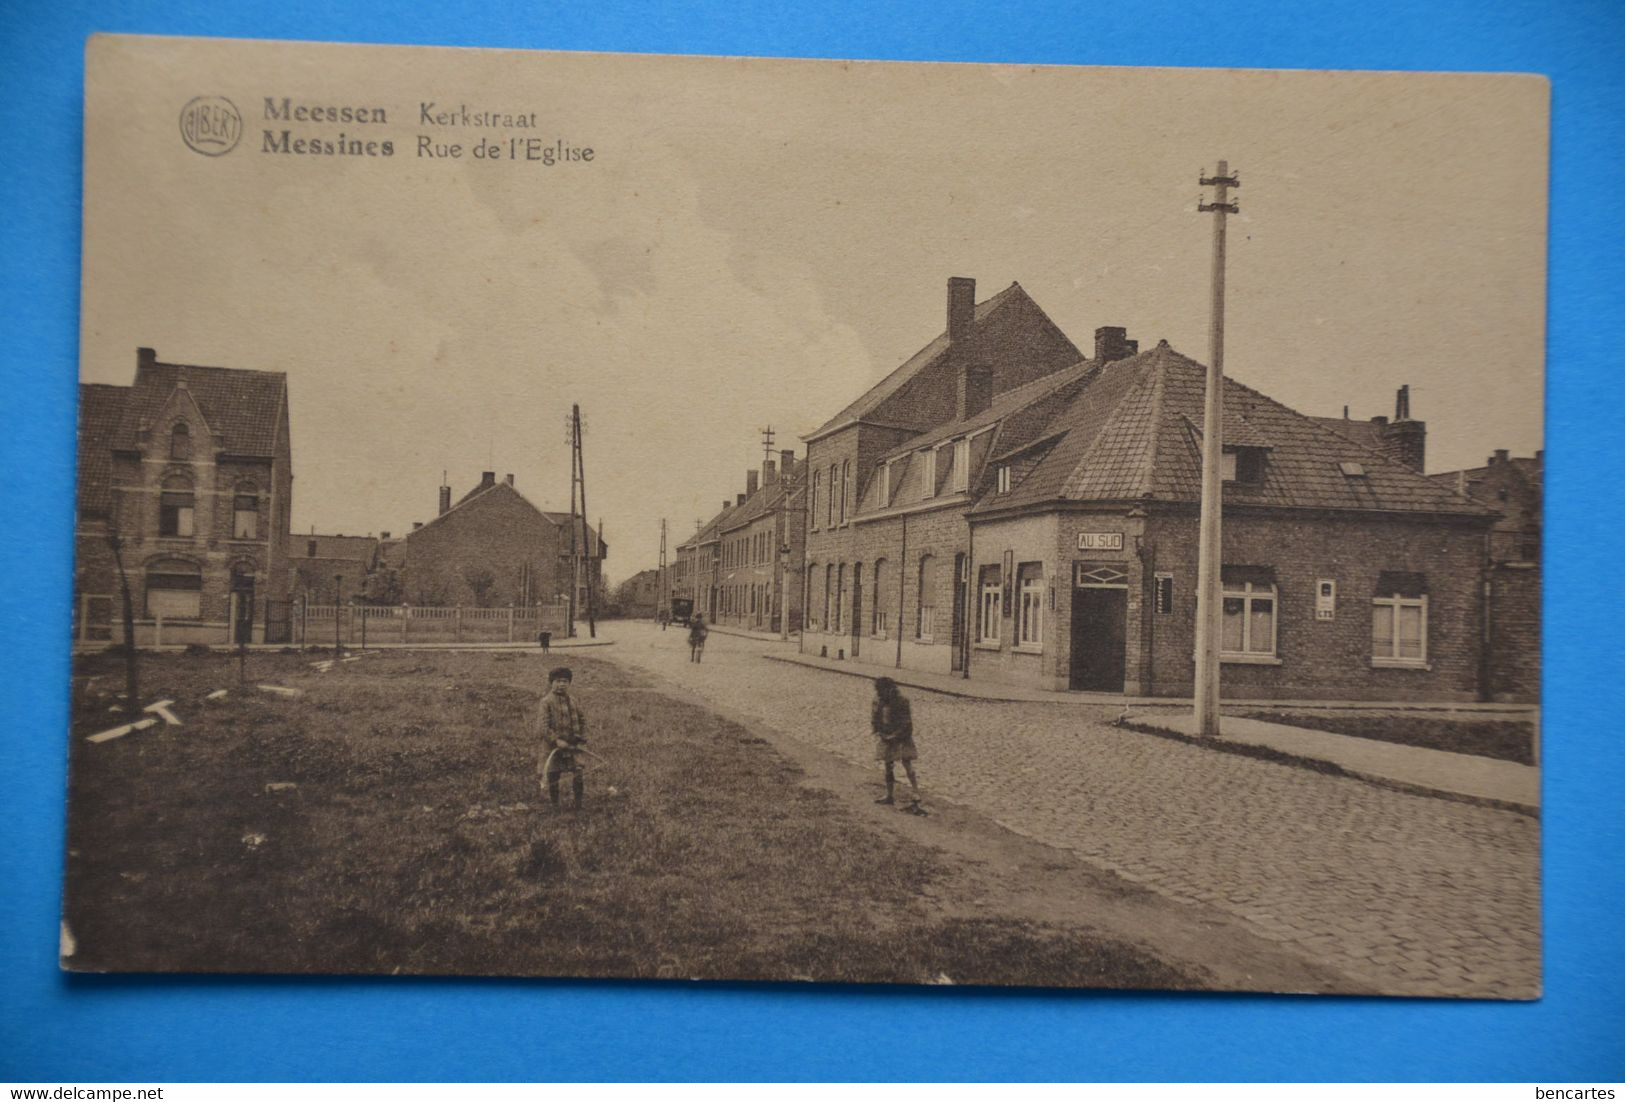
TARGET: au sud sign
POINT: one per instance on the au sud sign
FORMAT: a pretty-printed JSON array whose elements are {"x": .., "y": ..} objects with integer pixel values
[{"x": 1100, "y": 541}]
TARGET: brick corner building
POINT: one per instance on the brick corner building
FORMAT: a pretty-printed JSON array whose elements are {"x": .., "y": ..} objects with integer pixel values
[{"x": 1003, "y": 507}]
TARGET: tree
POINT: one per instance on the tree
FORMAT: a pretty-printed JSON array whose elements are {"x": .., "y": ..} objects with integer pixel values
[
  {"x": 479, "y": 581},
  {"x": 132, "y": 695}
]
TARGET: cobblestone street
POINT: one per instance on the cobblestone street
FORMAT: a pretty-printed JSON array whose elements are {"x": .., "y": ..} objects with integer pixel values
[{"x": 1416, "y": 895}]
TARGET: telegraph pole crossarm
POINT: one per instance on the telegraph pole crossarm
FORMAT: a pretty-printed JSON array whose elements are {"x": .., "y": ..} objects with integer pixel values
[{"x": 1209, "y": 588}]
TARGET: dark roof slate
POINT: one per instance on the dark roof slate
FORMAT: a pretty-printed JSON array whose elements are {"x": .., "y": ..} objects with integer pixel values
[
  {"x": 241, "y": 405},
  {"x": 1132, "y": 434},
  {"x": 101, "y": 407}
]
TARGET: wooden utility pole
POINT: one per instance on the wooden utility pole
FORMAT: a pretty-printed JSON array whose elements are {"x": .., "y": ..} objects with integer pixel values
[
  {"x": 573, "y": 426},
  {"x": 661, "y": 601},
  {"x": 1209, "y": 591}
]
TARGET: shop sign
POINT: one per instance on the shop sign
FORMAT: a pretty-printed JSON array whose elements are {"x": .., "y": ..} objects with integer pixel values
[{"x": 1100, "y": 541}]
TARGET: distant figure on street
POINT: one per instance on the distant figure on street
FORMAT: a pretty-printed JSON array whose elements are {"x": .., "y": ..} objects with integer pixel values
[
  {"x": 664, "y": 617},
  {"x": 697, "y": 631},
  {"x": 563, "y": 729},
  {"x": 544, "y": 639},
  {"x": 893, "y": 725}
]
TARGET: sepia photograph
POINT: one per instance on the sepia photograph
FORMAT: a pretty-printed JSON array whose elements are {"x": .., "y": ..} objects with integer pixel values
[{"x": 615, "y": 516}]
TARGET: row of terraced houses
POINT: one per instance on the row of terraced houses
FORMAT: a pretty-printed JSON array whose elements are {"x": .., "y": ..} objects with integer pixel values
[{"x": 1008, "y": 507}]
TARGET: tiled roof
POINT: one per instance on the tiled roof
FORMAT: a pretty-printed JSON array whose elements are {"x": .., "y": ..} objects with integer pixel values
[
  {"x": 1132, "y": 434},
  {"x": 243, "y": 406},
  {"x": 100, "y": 408},
  {"x": 1003, "y": 406},
  {"x": 914, "y": 365},
  {"x": 560, "y": 519},
  {"x": 1361, "y": 432}
]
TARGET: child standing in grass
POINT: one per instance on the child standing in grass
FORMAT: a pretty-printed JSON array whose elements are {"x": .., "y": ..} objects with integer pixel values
[
  {"x": 893, "y": 725},
  {"x": 563, "y": 729}
]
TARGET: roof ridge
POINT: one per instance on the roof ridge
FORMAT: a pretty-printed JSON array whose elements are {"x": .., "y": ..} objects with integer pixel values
[{"x": 1148, "y": 470}]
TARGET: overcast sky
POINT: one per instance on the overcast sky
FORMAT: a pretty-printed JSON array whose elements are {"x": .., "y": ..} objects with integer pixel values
[{"x": 755, "y": 242}]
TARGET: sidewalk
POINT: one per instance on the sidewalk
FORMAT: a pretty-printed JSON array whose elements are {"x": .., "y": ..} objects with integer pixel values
[
  {"x": 1435, "y": 771},
  {"x": 954, "y": 685}
]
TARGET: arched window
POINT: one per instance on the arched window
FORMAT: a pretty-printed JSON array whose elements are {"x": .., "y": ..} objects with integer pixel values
[
  {"x": 829, "y": 505},
  {"x": 174, "y": 590},
  {"x": 880, "y": 613},
  {"x": 245, "y": 512},
  {"x": 817, "y": 480},
  {"x": 180, "y": 441},
  {"x": 846, "y": 487},
  {"x": 176, "y": 507},
  {"x": 925, "y": 623}
]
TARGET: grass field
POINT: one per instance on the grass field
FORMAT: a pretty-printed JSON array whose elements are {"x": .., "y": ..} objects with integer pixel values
[
  {"x": 388, "y": 820},
  {"x": 1503, "y": 739}
]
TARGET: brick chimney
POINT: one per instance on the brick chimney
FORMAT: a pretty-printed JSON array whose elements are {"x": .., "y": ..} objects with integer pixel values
[
  {"x": 750, "y": 482},
  {"x": 383, "y": 535},
  {"x": 770, "y": 472},
  {"x": 1112, "y": 343},
  {"x": 787, "y": 462},
  {"x": 739, "y": 499},
  {"x": 416, "y": 524},
  {"x": 508, "y": 479},
  {"x": 1403, "y": 439},
  {"x": 445, "y": 498},
  {"x": 973, "y": 380},
  {"x": 145, "y": 358},
  {"x": 487, "y": 479}
]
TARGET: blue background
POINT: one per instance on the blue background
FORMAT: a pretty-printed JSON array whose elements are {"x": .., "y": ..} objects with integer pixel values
[{"x": 54, "y": 1027}]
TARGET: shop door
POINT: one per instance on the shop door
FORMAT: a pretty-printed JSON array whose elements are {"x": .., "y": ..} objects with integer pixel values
[{"x": 1099, "y": 635}]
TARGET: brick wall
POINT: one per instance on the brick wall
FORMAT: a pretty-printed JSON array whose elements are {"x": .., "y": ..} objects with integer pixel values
[
  {"x": 1327, "y": 659},
  {"x": 1515, "y": 633},
  {"x": 498, "y": 532}
]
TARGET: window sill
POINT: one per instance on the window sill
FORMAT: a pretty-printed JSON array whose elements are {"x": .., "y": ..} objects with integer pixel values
[
  {"x": 925, "y": 639},
  {"x": 1027, "y": 648},
  {"x": 1249, "y": 660},
  {"x": 986, "y": 644},
  {"x": 1400, "y": 664}
]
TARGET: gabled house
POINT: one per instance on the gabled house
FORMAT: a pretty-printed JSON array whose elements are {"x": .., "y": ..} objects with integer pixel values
[
  {"x": 494, "y": 548},
  {"x": 333, "y": 568},
  {"x": 191, "y": 469}
]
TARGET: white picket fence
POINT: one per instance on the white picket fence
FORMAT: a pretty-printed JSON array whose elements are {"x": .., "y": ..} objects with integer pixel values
[{"x": 355, "y": 625}]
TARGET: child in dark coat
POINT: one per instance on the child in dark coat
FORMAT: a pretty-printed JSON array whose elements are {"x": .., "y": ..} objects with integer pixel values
[{"x": 893, "y": 725}]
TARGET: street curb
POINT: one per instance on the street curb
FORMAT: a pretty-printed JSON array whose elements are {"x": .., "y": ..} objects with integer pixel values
[{"x": 1321, "y": 765}]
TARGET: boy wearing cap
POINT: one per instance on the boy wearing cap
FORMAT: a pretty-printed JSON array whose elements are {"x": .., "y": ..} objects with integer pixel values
[{"x": 562, "y": 728}]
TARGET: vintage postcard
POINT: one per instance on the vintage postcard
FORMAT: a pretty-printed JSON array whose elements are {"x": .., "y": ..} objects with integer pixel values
[{"x": 548, "y": 514}]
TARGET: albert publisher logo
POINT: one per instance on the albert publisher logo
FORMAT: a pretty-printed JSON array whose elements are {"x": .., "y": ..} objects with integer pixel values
[{"x": 211, "y": 125}]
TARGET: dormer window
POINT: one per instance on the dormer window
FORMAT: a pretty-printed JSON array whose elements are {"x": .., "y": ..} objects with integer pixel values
[
  {"x": 959, "y": 475},
  {"x": 928, "y": 472},
  {"x": 180, "y": 441},
  {"x": 1243, "y": 465}
]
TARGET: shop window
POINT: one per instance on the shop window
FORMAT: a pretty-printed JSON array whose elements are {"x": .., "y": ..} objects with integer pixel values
[
  {"x": 1030, "y": 608},
  {"x": 925, "y": 625},
  {"x": 180, "y": 441},
  {"x": 174, "y": 591},
  {"x": 1247, "y": 626},
  {"x": 1399, "y": 620},
  {"x": 990, "y": 609},
  {"x": 176, "y": 508}
]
